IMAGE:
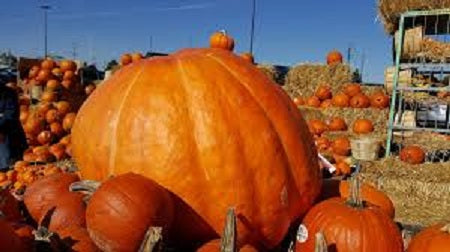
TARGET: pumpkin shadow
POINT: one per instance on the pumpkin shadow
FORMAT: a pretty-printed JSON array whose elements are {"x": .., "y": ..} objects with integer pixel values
[{"x": 190, "y": 230}]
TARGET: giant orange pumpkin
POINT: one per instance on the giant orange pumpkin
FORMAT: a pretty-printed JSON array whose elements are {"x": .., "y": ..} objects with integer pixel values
[
  {"x": 267, "y": 169},
  {"x": 221, "y": 40},
  {"x": 350, "y": 225},
  {"x": 142, "y": 201},
  {"x": 334, "y": 57},
  {"x": 432, "y": 239}
]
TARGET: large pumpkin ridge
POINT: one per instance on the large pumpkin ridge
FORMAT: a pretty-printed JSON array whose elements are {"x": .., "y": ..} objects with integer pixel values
[{"x": 239, "y": 146}]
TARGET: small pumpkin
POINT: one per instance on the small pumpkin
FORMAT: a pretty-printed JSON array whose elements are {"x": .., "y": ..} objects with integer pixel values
[
  {"x": 52, "y": 116},
  {"x": 53, "y": 84},
  {"x": 76, "y": 239},
  {"x": 360, "y": 101},
  {"x": 57, "y": 72},
  {"x": 323, "y": 144},
  {"x": 52, "y": 192},
  {"x": 63, "y": 108},
  {"x": 33, "y": 73},
  {"x": 370, "y": 195},
  {"x": 341, "y": 100},
  {"x": 379, "y": 100},
  {"x": 323, "y": 92},
  {"x": 334, "y": 57},
  {"x": 435, "y": 238},
  {"x": 67, "y": 84},
  {"x": 248, "y": 57},
  {"x": 363, "y": 126},
  {"x": 368, "y": 226},
  {"x": 412, "y": 155},
  {"x": 313, "y": 101},
  {"x": 44, "y": 75},
  {"x": 317, "y": 127},
  {"x": 67, "y": 65},
  {"x": 49, "y": 96},
  {"x": 221, "y": 40},
  {"x": 137, "y": 56},
  {"x": 337, "y": 124},
  {"x": 58, "y": 150},
  {"x": 341, "y": 146},
  {"x": 69, "y": 75},
  {"x": 141, "y": 200},
  {"x": 48, "y": 64},
  {"x": 214, "y": 246},
  {"x": 299, "y": 101},
  {"x": 45, "y": 137},
  {"x": 56, "y": 129},
  {"x": 68, "y": 121},
  {"x": 125, "y": 59},
  {"x": 352, "y": 89}
]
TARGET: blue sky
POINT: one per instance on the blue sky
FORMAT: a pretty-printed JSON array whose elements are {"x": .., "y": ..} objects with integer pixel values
[{"x": 287, "y": 31}]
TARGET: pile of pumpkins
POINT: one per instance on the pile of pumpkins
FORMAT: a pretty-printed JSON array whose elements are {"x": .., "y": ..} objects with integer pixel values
[
  {"x": 350, "y": 97},
  {"x": 47, "y": 124}
]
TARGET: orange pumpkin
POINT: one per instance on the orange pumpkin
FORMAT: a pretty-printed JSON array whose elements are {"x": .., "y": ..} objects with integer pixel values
[
  {"x": 65, "y": 140},
  {"x": 432, "y": 239},
  {"x": 248, "y": 57},
  {"x": 323, "y": 92},
  {"x": 63, "y": 108},
  {"x": 69, "y": 75},
  {"x": 53, "y": 192},
  {"x": 222, "y": 41},
  {"x": 125, "y": 195},
  {"x": 360, "y": 101},
  {"x": 53, "y": 84},
  {"x": 323, "y": 144},
  {"x": 135, "y": 57},
  {"x": 44, "y": 75},
  {"x": 49, "y": 96},
  {"x": 341, "y": 146},
  {"x": 379, "y": 100},
  {"x": 56, "y": 129},
  {"x": 370, "y": 195},
  {"x": 370, "y": 228},
  {"x": 120, "y": 148},
  {"x": 68, "y": 121},
  {"x": 317, "y": 127},
  {"x": 363, "y": 126},
  {"x": 412, "y": 155},
  {"x": 42, "y": 109},
  {"x": 334, "y": 57},
  {"x": 52, "y": 116},
  {"x": 57, "y": 72},
  {"x": 34, "y": 124},
  {"x": 352, "y": 89},
  {"x": 326, "y": 104},
  {"x": 67, "y": 84},
  {"x": 337, "y": 124},
  {"x": 34, "y": 71},
  {"x": 341, "y": 100},
  {"x": 45, "y": 137},
  {"x": 313, "y": 101},
  {"x": 125, "y": 59},
  {"x": 58, "y": 150},
  {"x": 299, "y": 101},
  {"x": 48, "y": 64},
  {"x": 67, "y": 65},
  {"x": 342, "y": 168}
]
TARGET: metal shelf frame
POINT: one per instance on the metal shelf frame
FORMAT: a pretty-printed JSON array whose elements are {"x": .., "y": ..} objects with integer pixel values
[{"x": 397, "y": 91}]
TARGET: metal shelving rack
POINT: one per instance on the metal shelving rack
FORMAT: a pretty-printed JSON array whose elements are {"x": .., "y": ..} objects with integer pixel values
[{"x": 439, "y": 25}]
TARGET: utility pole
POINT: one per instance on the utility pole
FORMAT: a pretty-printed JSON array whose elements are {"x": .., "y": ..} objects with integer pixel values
[
  {"x": 252, "y": 30},
  {"x": 45, "y": 8}
]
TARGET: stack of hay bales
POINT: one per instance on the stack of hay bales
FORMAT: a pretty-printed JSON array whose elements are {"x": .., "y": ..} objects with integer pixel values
[
  {"x": 273, "y": 73},
  {"x": 303, "y": 79},
  {"x": 390, "y": 10}
]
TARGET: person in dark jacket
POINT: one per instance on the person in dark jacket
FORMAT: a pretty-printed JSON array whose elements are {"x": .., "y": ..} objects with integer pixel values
[{"x": 12, "y": 137}]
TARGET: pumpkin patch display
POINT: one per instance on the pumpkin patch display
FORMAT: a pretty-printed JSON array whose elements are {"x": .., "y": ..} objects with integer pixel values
[{"x": 274, "y": 153}]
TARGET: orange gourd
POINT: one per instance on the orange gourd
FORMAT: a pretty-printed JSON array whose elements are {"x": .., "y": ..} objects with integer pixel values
[
  {"x": 412, "y": 155},
  {"x": 334, "y": 57},
  {"x": 341, "y": 100},
  {"x": 121, "y": 126},
  {"x": 222, "y": 41},
  {"x": 363, "y": 126}
]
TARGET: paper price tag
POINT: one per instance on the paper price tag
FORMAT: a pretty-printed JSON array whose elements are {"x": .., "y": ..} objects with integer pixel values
[{"x": 302, "y": 234}]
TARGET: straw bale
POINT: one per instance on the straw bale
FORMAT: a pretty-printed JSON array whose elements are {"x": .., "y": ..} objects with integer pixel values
[
  {"x": 303, "y": 79},
  {"x": 390, "y": 10},
  {"x": 419, "y": 192},
  {"x": 272, "y": 72}
]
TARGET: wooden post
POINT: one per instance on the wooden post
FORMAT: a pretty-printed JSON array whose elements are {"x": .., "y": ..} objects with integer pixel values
[{"x": 228, "y": 243}]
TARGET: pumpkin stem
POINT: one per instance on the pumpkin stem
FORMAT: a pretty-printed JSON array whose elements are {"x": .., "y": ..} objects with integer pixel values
[
  {"x": 87, "y": 187},
  {"x": 223, "y": 31},
  {"x": 355, "y": 199},
  {"x": 42, "y": 234},
  {"x": 228, "y": 243},
  {"x": 321, "y": 243},
  {"x": 152, "y": 240},
  {"x": 446, "y": 228}
]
